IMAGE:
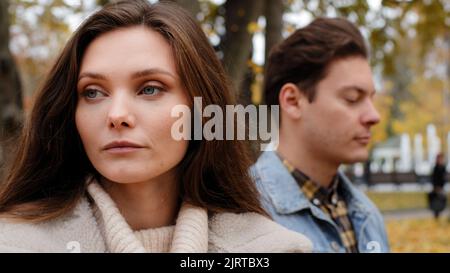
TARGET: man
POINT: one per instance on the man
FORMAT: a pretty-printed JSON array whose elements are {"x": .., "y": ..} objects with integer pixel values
[{"x": 321, "y": 79}]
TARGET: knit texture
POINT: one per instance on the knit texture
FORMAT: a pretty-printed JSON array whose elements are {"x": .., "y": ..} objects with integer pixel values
[
  {"x": 156, "y": 239},
  {"x": 98, "y": 226},
  {"x": 189, "y": 235}
]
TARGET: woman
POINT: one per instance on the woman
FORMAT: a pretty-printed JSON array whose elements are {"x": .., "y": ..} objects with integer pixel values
[{"x": 97, "y": 169}]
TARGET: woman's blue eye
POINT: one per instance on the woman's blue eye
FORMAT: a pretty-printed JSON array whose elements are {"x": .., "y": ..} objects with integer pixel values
[
  {"x": 150, "y": 90},
  {"x": 91, "y": 93}
]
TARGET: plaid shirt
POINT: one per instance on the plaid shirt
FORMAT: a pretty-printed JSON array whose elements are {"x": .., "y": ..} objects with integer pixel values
[{"x": 330, "y": 202}]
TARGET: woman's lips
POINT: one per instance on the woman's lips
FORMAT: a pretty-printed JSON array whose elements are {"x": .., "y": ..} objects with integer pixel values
[
  {"x": 122, "y": 146},
  {"x": 122, "y": 150}
]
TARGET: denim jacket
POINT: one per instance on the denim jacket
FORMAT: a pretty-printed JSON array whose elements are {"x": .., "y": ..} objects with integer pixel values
[{"x": 286, "y": 203}]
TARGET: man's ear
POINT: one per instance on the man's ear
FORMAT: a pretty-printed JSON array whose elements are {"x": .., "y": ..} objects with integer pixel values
[{"x": 292, "y": 100}]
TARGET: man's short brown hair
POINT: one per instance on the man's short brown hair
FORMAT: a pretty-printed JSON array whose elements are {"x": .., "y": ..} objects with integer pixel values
[{"x": 303, "y": 58}]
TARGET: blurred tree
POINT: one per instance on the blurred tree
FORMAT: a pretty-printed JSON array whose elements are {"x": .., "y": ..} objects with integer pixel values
[
  {"x": 103, "y": 2},
  {"x": 408, "y": 41},
  {"x": 273, "y": 12},
  {"x": 192, "y": 6},
  {"x": 240, "y": 20},
  {"x": 38, "y": 31},
  {"x": 401, "y": 80},
  {"x": 10, "y": 87}
]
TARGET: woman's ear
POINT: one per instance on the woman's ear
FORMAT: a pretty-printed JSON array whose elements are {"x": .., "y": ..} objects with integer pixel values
[{"x": 291, "y": 100}]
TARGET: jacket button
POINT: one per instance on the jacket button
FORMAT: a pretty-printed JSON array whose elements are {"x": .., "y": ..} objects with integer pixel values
[{"x": 335, "y": 246}]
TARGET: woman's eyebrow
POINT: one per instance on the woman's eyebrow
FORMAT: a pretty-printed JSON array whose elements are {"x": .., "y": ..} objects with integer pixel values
[
  {"x": 138, "y": 74},
  {"x": 151, "y": 71},
  {"x": 91, "y": 75}
]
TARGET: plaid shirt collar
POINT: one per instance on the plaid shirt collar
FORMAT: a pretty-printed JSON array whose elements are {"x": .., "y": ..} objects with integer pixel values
[
  {"x": 328, "y": 201},
  {"x": 316, "y": 194}
]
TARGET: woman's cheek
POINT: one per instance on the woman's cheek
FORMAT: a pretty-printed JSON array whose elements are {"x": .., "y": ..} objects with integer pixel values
[{"x": 88, "y": 127}]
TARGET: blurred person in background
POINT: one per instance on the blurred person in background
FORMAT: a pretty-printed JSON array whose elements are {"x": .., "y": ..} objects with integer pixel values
[{"x": 437, "y": 198}]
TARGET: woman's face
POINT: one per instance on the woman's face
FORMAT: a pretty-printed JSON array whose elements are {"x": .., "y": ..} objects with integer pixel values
[{"x": 127, "y": 87}]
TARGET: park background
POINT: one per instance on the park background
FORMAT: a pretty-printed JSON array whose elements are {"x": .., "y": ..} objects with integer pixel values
[{"x": 409, "y": 44}]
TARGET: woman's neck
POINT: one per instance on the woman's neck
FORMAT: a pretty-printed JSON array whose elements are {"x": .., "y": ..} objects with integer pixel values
[{"x": 145, "y": 205}]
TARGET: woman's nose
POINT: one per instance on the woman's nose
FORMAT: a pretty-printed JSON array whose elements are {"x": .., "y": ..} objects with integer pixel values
[{"x": 120, "y": 113}]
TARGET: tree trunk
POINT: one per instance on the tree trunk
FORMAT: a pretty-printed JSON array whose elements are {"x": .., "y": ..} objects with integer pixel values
[
  {"x": 274, "y": 10},
  {"x": 103, "y": 2},
  {"x": 10, "y": 88},
  {"x": 274, "y": 23},
  {"x": 445, "y": 95},
  {"x": 192, "y": 6},
  {"x": 237, "y": 42}
]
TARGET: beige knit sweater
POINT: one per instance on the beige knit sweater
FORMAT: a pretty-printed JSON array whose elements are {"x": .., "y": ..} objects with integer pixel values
[
  {"x": 85, "y": 230},
  {"x": 156, "y": 240},
  {"x": 189, "y": 235}
]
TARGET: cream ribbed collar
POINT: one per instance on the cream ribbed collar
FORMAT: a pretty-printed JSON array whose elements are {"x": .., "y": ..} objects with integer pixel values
[
  {"x": 156, "y": 240},
  {"x": 190, "y": 235}
]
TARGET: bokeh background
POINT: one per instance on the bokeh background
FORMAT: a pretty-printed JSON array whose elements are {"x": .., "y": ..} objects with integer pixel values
[{"x": 409, "y": 43}]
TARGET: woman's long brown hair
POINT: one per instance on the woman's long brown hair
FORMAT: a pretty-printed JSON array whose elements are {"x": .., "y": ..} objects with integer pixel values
[{"x": 46, "y": 178}]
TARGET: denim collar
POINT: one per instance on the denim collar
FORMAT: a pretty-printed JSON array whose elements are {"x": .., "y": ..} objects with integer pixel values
[{"x": 286, "y": 195}]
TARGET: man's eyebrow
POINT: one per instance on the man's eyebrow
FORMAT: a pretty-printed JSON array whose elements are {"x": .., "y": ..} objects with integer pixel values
[
  {"x": 357, "y": 88},
  {"x": 138, "y": 74}
]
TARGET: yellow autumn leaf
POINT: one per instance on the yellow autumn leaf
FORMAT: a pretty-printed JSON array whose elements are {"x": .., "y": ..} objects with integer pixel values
[{"x": 253, "y": 27}]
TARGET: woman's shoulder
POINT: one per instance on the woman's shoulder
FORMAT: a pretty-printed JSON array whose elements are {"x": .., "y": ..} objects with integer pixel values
[
  {"x": 74, "y": 232},
  {"x": 20, "y": 236},
  {"x": 252, "y": 232}
]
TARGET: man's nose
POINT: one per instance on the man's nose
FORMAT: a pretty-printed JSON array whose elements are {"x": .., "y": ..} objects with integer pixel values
[{"x": 371, "y": 115}]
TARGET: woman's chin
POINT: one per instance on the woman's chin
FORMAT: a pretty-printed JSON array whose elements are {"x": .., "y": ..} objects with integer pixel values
[{"x": 125, "y": 177}]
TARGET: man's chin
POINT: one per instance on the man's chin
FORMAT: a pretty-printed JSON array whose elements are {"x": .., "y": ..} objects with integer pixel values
[{"x": 360, "y": 156}]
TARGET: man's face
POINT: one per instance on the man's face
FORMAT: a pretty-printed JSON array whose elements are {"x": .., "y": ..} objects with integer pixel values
[{"x": 336, "y": 125}]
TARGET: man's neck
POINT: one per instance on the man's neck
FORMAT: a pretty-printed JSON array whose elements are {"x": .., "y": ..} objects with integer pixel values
[{"x": 316, "y": 168}]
